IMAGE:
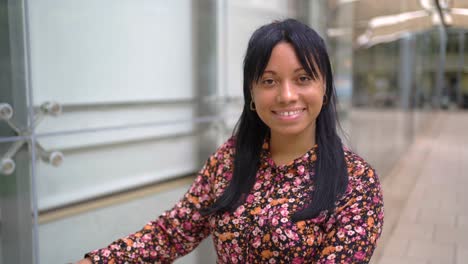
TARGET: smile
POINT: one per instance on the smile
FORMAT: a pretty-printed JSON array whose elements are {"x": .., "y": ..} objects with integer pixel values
[{"x": 289, "y": 113}]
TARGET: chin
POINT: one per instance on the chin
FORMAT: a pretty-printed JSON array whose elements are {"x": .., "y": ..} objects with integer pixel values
[{"x": 288, "y": 132}]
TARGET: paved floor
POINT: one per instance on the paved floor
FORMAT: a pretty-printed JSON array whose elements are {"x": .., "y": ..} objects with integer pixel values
[{"x": 426, "y": 198}]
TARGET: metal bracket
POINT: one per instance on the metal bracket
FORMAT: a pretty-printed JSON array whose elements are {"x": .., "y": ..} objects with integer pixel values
[{"x": 52, "y": 157}]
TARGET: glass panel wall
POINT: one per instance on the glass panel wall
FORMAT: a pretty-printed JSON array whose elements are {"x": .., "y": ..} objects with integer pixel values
[
  {"x": 118, "y": 98},
  {"x": 385, "y": 70},
  {"x": 456, "y": 94},
  {"x": 125, "y": 100}
]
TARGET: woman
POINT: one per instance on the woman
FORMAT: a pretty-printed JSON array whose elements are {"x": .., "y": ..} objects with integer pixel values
[{"x": 283, "y": 189}]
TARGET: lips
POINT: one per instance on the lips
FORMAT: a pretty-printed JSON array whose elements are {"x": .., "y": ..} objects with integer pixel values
[{"x": 289, "y": 112}]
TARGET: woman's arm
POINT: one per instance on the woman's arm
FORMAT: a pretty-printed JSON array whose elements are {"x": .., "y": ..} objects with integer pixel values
[
  {"x": 175, "y": 233},
  {"x": 352, "y": 231}
]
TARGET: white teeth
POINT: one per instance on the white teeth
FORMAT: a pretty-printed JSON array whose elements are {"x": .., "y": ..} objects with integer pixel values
[{"x": 289, "y": 113}]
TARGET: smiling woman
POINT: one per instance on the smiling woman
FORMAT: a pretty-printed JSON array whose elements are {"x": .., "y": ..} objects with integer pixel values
[
  {"x": 288, "y": 100},
  {"x": 283, "y": 188}
]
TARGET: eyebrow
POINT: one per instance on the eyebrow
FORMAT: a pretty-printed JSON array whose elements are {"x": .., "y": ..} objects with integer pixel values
[{"x": 274, "y": 73}]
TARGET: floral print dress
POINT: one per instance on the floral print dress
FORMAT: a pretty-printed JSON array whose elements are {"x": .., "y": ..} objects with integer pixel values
[{"x": 261, "y": 230}]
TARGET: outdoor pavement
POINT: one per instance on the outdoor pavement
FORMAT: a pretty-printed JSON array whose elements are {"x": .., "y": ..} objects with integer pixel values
[{"x": 426, "y": 198}]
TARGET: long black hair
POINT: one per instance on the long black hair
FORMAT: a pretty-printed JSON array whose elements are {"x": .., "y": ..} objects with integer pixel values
[{"x": 331, "y": 177}]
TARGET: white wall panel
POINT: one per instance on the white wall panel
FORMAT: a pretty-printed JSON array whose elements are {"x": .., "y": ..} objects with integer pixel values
[
  {"x": 112, "y": 64},
  {"x": 76, "y": 235},
  {"x": 143, "y": 122},
  {"x": 91, "y": 51},
  {"x": 96, "y": 171}
]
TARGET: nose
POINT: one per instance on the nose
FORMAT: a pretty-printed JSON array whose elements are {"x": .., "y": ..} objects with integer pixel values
[{"x": 286, "y": 93}]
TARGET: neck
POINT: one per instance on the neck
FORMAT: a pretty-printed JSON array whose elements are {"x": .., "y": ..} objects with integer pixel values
[{"x": 285, "y": 149}]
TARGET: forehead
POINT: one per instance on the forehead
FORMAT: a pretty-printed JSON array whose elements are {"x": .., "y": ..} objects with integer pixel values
[
  {"x": 283, "y": 56},
  {"x": 284, "y": 60}
]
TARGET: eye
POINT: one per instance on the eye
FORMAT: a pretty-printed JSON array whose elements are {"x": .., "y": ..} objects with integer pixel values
[
  {"x": 304, "y": 79},
  {"x": 268, "y": 82}
]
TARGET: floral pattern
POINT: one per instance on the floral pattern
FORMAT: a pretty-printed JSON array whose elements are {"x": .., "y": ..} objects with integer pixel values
[{"x": 261, "y": 230}]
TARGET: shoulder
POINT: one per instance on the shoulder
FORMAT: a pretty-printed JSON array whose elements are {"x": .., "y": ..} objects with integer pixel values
[
  {"x": 356, "y": 165},
  {"x": 218, "y": 163},
  {"x": 223, "y": 158},
  {"x": 364, "y": 192},
  {"x": 225, "y": 152},
  {"x": 219, "y": 166},
  {"x": 362, "y": 176}
]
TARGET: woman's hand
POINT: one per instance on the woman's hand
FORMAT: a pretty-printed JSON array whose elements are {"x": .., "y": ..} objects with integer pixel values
[{"x": 84, "y": 261}]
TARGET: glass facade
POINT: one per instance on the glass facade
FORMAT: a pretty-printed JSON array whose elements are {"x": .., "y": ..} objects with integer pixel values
[
  {"x": 391, "y": 74},
  {"x": 108, "y": 108}
]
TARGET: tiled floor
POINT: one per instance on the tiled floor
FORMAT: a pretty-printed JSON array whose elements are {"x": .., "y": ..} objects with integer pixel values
[{"x": 427, "y": 198}]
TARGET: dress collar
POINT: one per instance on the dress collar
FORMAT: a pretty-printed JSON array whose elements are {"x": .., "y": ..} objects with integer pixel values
[{"x": 309, "y": 157}]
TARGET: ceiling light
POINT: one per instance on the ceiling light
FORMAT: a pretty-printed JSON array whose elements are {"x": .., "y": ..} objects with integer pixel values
[
  {"x": 382, "y": 21},
  {"x": 427, "y": 4},
  {"x": 459, "y": 11},
  {"x": 346, "y": 1}
]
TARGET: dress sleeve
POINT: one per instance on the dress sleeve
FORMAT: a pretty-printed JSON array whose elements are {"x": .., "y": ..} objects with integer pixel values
[
  {"x": 175, "y": 233},
  {"x": 352, "y": 231}
]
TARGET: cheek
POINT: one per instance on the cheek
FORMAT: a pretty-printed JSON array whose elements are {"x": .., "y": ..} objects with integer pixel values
[
  {"x": 314, "y": 98},
  {"x": 263, "y": 99},
  {"x": 263, "y": 107},
  {"x": 318, "y": 101}
]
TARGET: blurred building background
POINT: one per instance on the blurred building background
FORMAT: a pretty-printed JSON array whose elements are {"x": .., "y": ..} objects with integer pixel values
[{"x": 109, "y": 107}]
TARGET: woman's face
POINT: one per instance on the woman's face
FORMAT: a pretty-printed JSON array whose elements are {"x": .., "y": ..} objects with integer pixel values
[{"x": 286, "y": 98}]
